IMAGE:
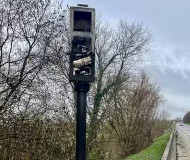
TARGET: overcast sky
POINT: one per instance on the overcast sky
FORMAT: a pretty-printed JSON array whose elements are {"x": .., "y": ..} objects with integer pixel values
[{"x": 170, "y": 59}]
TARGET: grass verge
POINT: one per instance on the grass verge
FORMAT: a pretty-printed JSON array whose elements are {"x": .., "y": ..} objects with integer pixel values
[{"x": 153, "y": 152}]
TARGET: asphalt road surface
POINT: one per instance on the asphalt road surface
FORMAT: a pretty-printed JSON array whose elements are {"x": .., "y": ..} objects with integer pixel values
[{"x": 183, "y": 142}]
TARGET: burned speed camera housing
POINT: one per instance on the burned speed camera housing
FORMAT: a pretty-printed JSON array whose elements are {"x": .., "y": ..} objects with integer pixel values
[{"x": 82, "y": 56}]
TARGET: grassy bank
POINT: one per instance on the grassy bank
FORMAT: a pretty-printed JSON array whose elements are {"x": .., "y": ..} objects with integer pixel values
[{"x": 154, "y": 152}]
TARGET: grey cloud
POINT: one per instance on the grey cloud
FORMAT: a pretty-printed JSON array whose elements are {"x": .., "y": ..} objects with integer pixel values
[
  {"x": 175, "y": 87},
  {"x": 171, "y": 80},
  {"x": 176, "y": 110}
]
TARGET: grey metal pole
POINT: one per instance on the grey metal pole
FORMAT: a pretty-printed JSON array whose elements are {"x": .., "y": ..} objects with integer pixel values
[{"x": 81, "y": 88}]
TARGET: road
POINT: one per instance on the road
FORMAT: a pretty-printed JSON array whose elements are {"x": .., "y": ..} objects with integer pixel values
[{"x": 183, "y": 142}]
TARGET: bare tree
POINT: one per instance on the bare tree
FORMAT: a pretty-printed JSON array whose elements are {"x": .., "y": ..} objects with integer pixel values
[
  {"x": 34, "y": 93},
  {"x": 27, "y": 30},
  {"x": 117, "y": 49},
  {"x": 131, "y": 116}
]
